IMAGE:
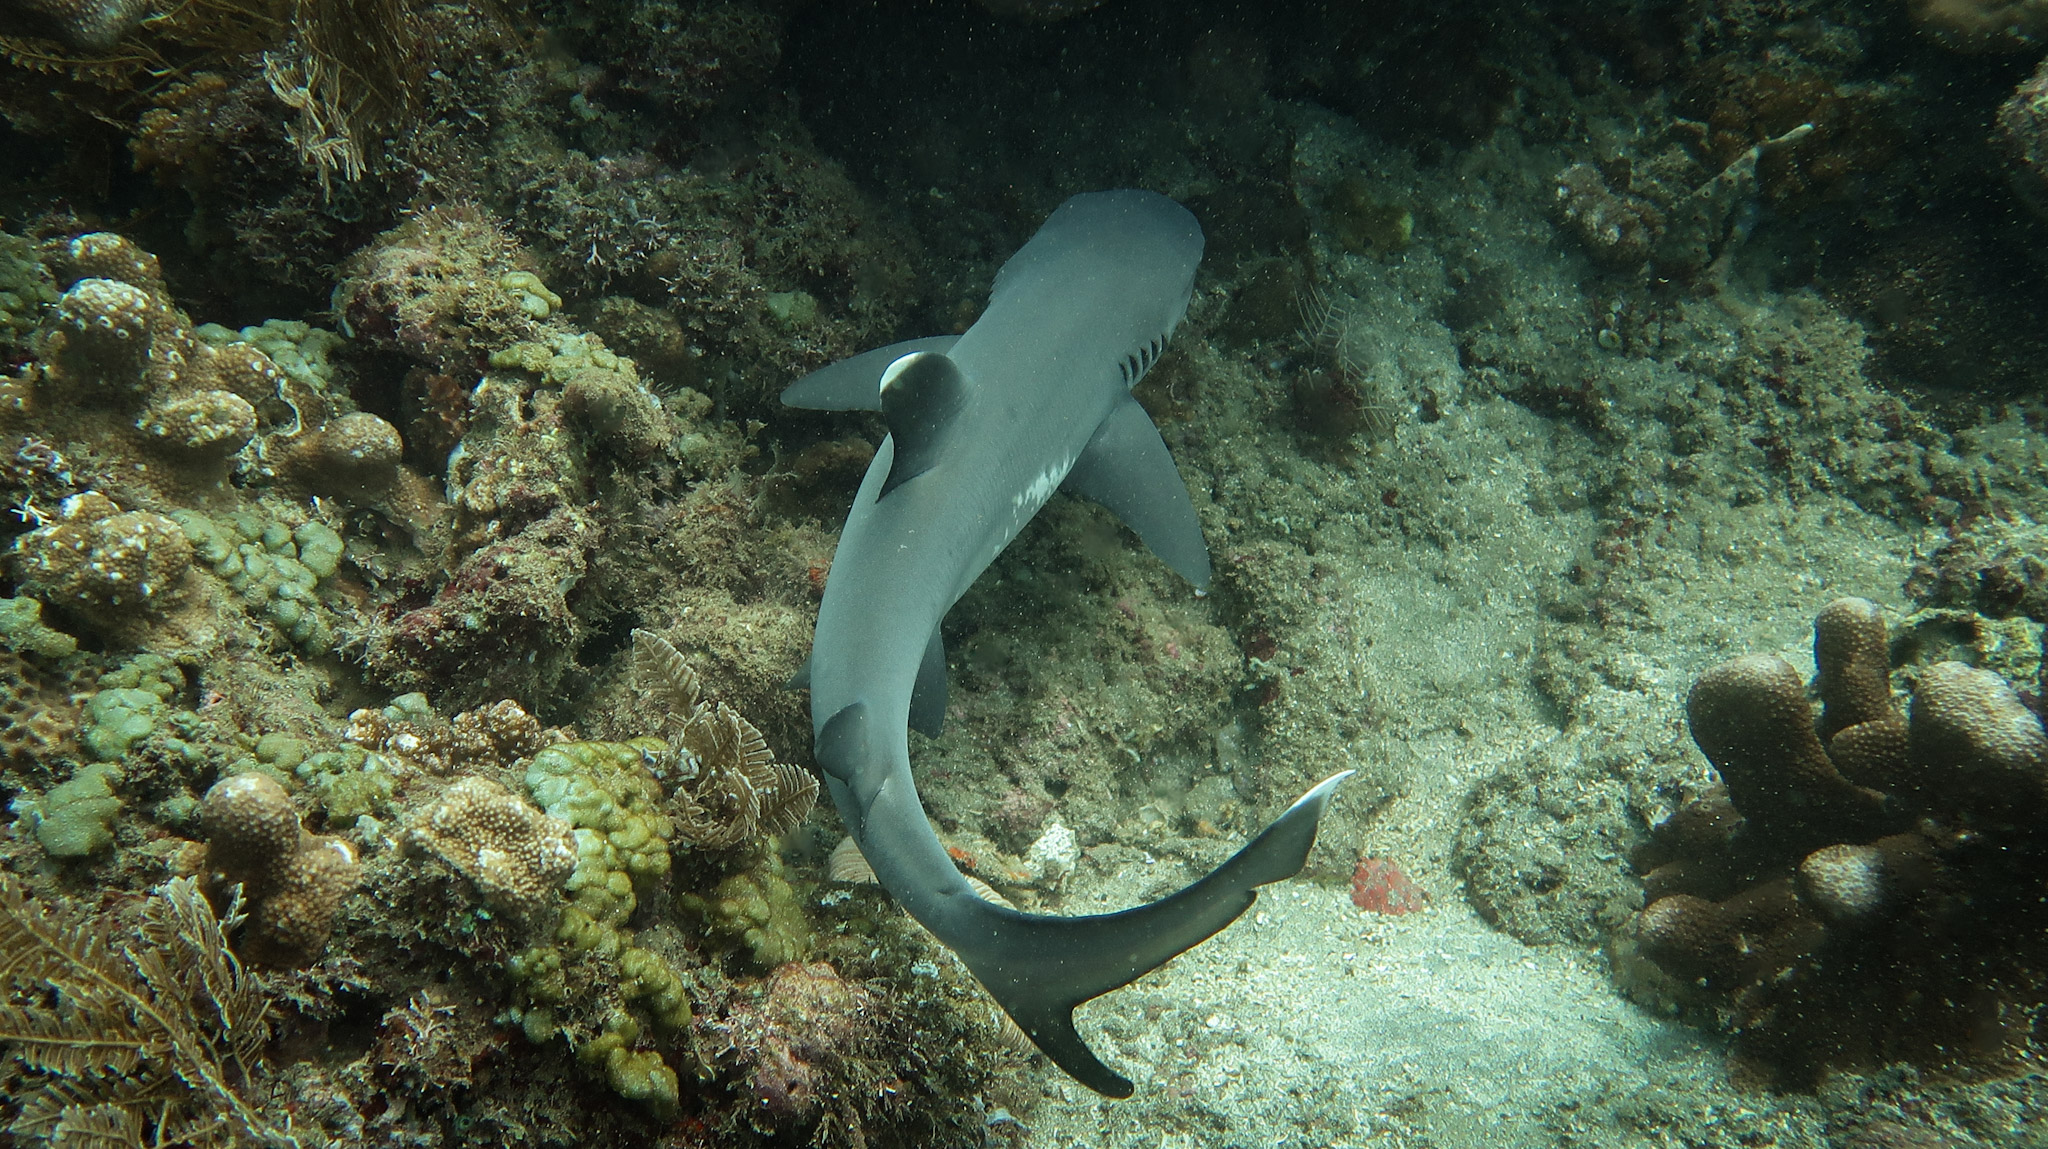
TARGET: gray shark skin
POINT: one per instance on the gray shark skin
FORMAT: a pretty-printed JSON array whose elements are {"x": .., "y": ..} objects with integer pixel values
[{"x": 983, "y": 429}]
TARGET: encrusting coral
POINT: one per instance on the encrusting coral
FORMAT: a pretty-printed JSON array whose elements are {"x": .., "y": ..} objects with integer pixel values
[
  {"x": 292, "y": 880},
  {"x": 1862, "y": 888},
  {"x": 516, "y": 855}
]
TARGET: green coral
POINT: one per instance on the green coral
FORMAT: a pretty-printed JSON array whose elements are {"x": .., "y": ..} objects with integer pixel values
[
  {"x": 637, "y": 1074},
  {"x": 347, "y": 782},
  {"x": 532, "y": 296},
  {"x": 757, "y": 908},
  {"x": 149, "y": 672},
  {"x": 118, "y": 718},
  {"x": 299, "y": 349},
  {"x": 561, "y": 358},
  {"x": 77, "y": 816},
  {"x": 649, "y": 981},
  {"x": 795, "y": 309},
  {"x": 610, "y": 797},
  {"x": 275, "y": 569},
  {"x": 22, "y": 629},
  {"x": 608, "y": 794}
]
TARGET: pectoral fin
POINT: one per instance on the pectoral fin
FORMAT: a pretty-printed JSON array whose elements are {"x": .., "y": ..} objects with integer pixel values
[{"x": 1127, "y": 468}]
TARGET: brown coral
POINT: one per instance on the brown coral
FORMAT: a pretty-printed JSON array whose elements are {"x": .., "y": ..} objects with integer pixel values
[
  {"x": 118, "y": 340},
  {"x": 517, "y": 856},
  {"x": 293, "y": 880},
  {"x": 1751, "y": 719},
  {"x": 1865, "y": 888},
  {"x": 100, "y": 561},
  {"x": 38, "y": 719},
  {"x": 498, "y": 734}
]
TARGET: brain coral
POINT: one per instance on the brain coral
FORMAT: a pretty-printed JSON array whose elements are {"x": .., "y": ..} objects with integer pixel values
[{"x": 1862, "y": 888}]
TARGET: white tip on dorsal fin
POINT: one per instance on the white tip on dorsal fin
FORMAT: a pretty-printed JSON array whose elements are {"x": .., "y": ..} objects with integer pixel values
[
  {"x": 921, "y": 393},
  {"x": 849, "y": 385}
]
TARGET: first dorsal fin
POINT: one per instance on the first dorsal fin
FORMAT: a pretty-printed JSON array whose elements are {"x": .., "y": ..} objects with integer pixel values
[
  {"x": 849, "y": 385},
  {"x": 921, "y": 392}
]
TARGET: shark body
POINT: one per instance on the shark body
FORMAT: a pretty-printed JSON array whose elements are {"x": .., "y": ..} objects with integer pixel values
[{"x": 1034, "y": 397}]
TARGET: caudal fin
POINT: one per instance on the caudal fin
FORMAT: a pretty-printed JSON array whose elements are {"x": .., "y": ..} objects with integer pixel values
[{"x": 1040, "y": 967}]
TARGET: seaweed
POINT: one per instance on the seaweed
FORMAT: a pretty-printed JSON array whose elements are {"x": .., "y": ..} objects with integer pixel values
[{"x": 143, "y": 1036}]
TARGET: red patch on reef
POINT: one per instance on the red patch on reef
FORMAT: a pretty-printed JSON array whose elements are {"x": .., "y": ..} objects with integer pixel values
[{"x": 1379, "y": 886}]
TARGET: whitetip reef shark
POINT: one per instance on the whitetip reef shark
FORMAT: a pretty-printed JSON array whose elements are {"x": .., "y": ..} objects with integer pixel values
[{"x": 1035, "y": 396}]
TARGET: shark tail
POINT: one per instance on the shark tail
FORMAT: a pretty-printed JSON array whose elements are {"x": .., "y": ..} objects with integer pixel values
[{"x": 1040, "y": 967}]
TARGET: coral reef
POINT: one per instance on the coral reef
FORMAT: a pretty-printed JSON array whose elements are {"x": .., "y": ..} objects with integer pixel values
[
  {"x": 38, "y": 718},
  {"x": 2023, "y": 134},
  {"x": 293, "y": 880},
  {"x": 517, "y": 856},
  {"x": 444, "y": 289},
  {"x": 1864, "y": 857}
]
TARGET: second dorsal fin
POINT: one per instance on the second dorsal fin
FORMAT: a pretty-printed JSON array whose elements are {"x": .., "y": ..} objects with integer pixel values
[{"x": 921, "y": 393}]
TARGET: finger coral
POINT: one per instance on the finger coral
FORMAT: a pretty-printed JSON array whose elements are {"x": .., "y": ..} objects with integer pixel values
[
  {"x": 1863, "y": 886},
  {"x": 292, "y": 880}
]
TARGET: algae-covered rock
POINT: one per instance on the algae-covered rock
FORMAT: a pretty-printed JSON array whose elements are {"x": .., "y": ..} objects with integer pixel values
[{"x": 22, "y": 629}]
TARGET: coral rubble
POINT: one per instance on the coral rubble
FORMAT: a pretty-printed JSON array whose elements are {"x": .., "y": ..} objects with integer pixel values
[{"x": 1858, "y": 889}]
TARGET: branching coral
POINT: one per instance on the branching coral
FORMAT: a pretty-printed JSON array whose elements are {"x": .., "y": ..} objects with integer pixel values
[
  {"x": 147, "y": 1039},
  {"x": 1863, "y": 888}
]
